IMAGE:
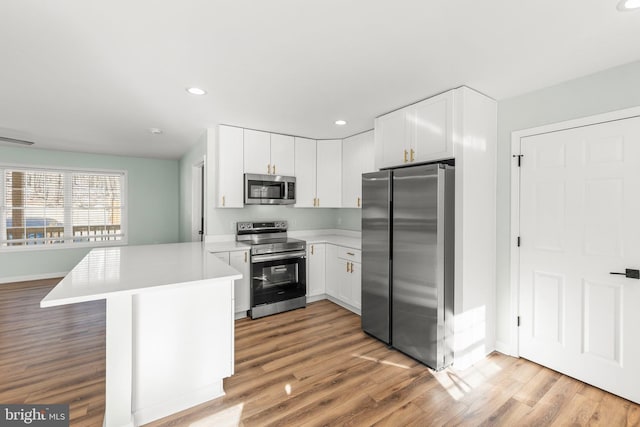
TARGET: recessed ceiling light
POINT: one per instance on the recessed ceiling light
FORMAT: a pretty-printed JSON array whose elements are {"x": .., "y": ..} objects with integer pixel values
[
  {"x": 627, "y": 5},
  {"x": 340, "y": 122},
  {"x": 155, "y": 131},
  {"x": 196, "y": 91}
]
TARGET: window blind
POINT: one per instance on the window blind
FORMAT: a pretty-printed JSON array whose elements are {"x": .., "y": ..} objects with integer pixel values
[{"x": 52, "y": 207}]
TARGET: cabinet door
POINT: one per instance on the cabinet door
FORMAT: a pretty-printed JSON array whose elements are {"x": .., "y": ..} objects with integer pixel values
[
  {"x": 282, "y": 155},
  {"x": 329, "y": 173},
  {"x": 257, "y": 152},
  {"x": 430, "y": 128},
  {"x": 240, "y": 261},
  {"x": 357, "y": 158},
  {"x": 344, "y": 282},
  {"x": 333, "y": 271},
  {"x": 230, "y": 164},
  {"x": 356, "y": 285},
  {"x": 305, "y": 172},
  {"x": 316, "y": 269},
  {"x": 391, "y": 139}
]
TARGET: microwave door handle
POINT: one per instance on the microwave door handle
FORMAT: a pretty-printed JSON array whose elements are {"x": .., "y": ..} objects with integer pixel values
[{"x": 275, "y": 257}]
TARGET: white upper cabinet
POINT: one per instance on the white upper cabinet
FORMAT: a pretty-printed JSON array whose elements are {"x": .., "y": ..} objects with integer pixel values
[
  {"x": 391, "y": 139},
  {"x": 268, "y": 153},
  {"x": 431, "y": 129},
  {"x": 357, "y": 158},
  {"x": 329, "y": 173},
  {"x": 305, "y": 172},
  {"x": 282, "y": 155},
  {"x": 421, "y": 132},
  {"x": 257, "y": 152},
  {"x": 230, "y": 163}
]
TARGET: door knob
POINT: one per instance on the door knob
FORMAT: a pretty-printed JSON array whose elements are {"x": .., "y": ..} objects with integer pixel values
[{"x": 629, "y": 273}]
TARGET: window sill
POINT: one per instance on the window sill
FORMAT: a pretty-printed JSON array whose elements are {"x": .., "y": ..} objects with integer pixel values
[{"x": 90, "y": 245}]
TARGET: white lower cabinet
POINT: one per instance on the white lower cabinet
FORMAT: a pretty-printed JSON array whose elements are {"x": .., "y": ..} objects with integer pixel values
[
  {"x": 240, "y": 261},
  {"x": 349, "y": 282},
  {"x": 316, "y": 256},
  {"x": 333, "y": 269},
  {"x": 343, "y": 276}
]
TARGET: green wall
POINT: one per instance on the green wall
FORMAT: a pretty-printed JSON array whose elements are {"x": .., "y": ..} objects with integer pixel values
[
  {"x": 609, "y": 90},
  {"x": 152, "y": 212}
]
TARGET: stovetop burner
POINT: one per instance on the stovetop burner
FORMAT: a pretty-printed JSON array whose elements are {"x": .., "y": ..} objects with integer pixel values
[{"x": 267, "y": 237}]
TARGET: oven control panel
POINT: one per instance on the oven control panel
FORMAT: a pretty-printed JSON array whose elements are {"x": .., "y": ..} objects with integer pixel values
[{"x": 261, "y": 226}]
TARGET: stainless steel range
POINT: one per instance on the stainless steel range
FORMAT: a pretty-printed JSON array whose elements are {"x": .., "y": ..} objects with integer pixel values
[{"x": 278, "y": 267}]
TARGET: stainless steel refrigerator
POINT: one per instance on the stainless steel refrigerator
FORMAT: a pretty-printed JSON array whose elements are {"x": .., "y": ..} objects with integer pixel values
[{"x": 407, "y": 260}]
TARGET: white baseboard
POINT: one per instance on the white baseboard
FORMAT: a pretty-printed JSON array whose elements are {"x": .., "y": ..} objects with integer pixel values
[
  {"x": 503, "y": 348},
  {"x": 178, "y": 403},
  {"x": 314, "y": 298},
  {"x": 32, "y": 277},
  {"x": 344, "y": 305}
]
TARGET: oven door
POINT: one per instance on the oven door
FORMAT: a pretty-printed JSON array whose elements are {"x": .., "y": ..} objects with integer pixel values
[
  {"x": 268, "y": 190},
  {"x": 278, "y": 277}
]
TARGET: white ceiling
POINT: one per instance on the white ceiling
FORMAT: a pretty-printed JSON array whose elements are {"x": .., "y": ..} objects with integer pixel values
[{"x": 95, "y": 76}]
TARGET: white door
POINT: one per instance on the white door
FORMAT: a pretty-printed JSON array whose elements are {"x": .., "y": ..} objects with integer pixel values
[
  {"x": 315, "y": 269},
  {"x": 329, "y": 173},
  {"x": 305, "y": 165},
  {"x": 391, "y": 139},
  {"x": 257, "y": 152},
  {"x": 580, "y": 221},
  {"x": 230, "y": 164},
  {"x": 240, "y": 261},
  {"x": 282, "y": 155},
  {"x": 430, "y": 129}
]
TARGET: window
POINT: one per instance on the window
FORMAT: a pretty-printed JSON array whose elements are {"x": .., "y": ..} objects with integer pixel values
[{"x": 51, "y": 207}]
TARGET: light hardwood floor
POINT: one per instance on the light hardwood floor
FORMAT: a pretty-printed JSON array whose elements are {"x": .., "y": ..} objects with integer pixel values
[{"x": 307, "y": 367}]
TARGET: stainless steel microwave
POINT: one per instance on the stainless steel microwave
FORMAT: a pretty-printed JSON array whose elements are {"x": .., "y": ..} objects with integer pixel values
[{"x": 269, "y": 189}]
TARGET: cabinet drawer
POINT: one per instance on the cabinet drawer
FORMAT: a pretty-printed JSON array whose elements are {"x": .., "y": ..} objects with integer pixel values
[{"x": 349, "y": 254}]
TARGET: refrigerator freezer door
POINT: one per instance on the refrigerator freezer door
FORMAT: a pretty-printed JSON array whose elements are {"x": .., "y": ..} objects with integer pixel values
[
  {"x": 376, "y": 223},
  {"x": 418, "y": 264}
]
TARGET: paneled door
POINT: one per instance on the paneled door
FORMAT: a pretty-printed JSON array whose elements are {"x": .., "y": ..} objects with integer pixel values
[{"x": 579, "y": 224}]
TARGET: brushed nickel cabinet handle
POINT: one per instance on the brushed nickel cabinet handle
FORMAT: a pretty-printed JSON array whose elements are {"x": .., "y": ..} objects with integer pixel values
[
  {"x": 245, "y": 257},
  {"x": 268, "y": 169},
  {"x": 405, "y": 156},
  {"x": 412, "y": 155},
  {"x": 222, "y": 200},
  {"x": 358, "y": 202},
  {"x": 274, "y": 169},
  {"x": 311, "y": 249}
]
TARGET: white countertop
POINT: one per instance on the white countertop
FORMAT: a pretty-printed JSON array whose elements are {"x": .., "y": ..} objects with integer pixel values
[
  {"x": 106, "y": 272},
  {"x": 348, "y": 239},
  {"x": 333, "y": 239}
]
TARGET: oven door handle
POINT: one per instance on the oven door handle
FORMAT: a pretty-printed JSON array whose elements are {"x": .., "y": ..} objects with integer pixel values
[{"x": 275, "y": 257}]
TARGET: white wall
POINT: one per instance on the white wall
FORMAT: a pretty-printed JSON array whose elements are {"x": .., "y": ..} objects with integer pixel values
[{"x": 609, "y": 90}]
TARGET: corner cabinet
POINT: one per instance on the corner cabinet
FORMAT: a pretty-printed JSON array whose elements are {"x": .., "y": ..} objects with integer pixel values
[
  {"x": 357, "y": 158},
  {"x": 229, "y": 158},
  {"x": 422, "y": 132}
]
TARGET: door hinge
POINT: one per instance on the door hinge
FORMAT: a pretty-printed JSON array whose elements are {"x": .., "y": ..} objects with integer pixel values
[
  {"x": 519, "y": 156},
  {"x": 518, "y": 320},
  {"x": 518, "y": 241}
]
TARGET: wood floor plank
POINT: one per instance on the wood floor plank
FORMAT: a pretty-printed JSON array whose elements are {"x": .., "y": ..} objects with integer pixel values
[{"x": 308, "y": 367}]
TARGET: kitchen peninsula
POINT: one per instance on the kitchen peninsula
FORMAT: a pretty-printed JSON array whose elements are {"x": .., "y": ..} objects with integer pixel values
[{"x": 169, "y": 325}]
